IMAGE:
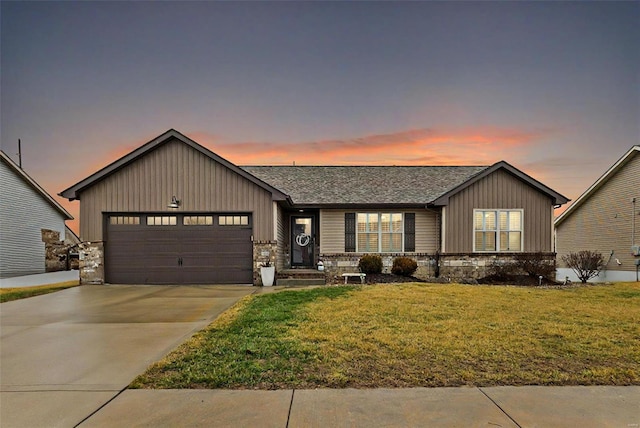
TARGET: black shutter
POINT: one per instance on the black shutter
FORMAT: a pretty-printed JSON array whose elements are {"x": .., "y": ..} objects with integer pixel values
[
  {"x": 409, "y": 232},
  {"x": 349, "y": 232}
]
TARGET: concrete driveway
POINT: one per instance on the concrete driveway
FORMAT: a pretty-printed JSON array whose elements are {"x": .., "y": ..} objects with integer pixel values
[{"x": 64, "y": 355}]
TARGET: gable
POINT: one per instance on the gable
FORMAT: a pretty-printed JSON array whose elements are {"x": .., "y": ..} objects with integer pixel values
[
  {"x": 200, "y": 183},
  {"x": 171, "y": 136},
  {"x": 515, "y": 173},
  {"x": 11, "y": 169},
  {"x": 499, "y": 190},
  {"x": 624, "y": 174}
]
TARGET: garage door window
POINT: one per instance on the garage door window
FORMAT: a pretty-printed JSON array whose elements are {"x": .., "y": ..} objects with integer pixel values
[
  {"x": 198, "y": 220},
  {"x": 124, "y": 220},
  {"x": 162, "y": 220},
  {"x": 233, "y": 220}
]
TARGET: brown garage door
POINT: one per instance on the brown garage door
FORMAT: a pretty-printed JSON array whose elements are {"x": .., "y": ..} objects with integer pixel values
[{"x": 178, "y": 249}]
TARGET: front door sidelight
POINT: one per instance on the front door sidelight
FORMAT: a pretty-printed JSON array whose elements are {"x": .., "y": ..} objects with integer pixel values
[{"x": 302, "y": 242}]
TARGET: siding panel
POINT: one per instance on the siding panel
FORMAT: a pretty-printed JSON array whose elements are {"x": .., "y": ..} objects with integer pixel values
[
  {"x": 604, "y": 222},
  {"x": 174, "y": 169},
  {"x": 499, "y": 190},
  {"x": 23, "y": 214}
]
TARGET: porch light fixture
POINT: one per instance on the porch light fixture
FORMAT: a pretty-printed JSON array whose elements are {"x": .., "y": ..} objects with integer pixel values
[{"x": 175, "y": 203}]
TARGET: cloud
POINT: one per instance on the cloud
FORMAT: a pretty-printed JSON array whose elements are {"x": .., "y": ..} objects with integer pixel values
[{"x": 423, "y": 146}]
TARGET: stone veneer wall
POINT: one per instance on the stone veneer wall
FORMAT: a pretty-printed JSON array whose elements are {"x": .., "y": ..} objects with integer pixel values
[
  {"x": 474, "y": 266},
  {"x": 56, "y": 252},
  {"x": 337, "y": 264},
  {"x": 263, "y": 251},
  {"x": 91, "y": 262},
  {"x": 455, "y": 267}
]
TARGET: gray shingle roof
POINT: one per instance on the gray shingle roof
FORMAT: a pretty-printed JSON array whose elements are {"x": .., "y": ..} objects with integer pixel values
[{"x": 328, "y": 185}]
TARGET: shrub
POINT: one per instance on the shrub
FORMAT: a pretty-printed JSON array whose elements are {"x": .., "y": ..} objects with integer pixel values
[
  {"x": 502, "y": 270},
  {"x": 586, "y": 264},
  {"x": 535, "y": 264},
  {"x": 404, "y": 266},
  {"x": 370, "y": 264}
]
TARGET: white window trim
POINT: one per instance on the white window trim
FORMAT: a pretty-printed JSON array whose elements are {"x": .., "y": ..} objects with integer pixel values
[
  {"x": 498, "y": 211},
  {"x": 380, "y": 232}
]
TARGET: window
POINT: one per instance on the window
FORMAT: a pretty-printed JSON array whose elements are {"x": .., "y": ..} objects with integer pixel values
[
  {"x": 124, "y": 220},
  {"x": 497, "y": 230},
  {"x": 233, "y": 220},
  {"x": 162, "y": 220},
  {"x": 379, "y": 232},
  {"x": 197, "y": 220}
]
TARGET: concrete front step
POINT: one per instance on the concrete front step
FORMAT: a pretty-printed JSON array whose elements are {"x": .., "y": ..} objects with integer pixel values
[{"x": 291, "y": 277}]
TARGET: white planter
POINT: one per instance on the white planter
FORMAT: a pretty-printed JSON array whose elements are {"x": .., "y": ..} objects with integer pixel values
[{"x": 268, "y": 274}]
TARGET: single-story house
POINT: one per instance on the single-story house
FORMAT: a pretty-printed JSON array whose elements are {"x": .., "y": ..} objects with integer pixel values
[
  {"x": 29, "y": 219},
  {"x": 606, "y": 219},
  {"x": 172, "y": 211}
]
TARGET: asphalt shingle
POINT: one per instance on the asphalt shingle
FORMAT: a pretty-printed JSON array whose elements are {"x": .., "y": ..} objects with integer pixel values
[{"x": 326, "y": 185}]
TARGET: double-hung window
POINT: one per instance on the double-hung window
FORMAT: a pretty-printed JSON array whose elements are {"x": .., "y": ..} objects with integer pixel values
[
  {"x": 379, "y": 232},
  {"x": 497, "y": 230}
]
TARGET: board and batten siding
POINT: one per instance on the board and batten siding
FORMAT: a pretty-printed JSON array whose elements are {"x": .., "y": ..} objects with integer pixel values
[
  {"x": 332, "y": 230},
  {"x": 200, "y": 183},
  {"x": 24, "y": 214},
  {"x": 604, "y": 222},
  {"x": 499, "y": 190}
]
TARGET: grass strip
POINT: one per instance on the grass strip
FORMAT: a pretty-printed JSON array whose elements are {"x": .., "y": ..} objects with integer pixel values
[
  {"x": 16, "y": 293},
  {"x": 409, "y": 335}
]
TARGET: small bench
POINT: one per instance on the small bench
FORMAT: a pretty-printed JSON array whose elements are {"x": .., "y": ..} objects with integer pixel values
[{"x": 348, "y": 275}]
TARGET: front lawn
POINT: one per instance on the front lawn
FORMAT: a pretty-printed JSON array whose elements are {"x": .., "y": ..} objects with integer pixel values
[
  {"x": 9, "y": 294},
  {"x": 408, "y": 335}
]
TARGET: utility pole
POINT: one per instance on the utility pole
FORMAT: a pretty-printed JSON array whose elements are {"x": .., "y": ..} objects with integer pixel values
[{"x": 19, "y": 153}]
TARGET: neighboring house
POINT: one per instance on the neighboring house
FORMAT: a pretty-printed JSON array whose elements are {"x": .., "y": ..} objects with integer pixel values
[
  {"x": 606, "y": 218},
  {"x": 29, "y": 216},
  {"x": 70, "y": 237},
  {"x": 172, "y": 211}
]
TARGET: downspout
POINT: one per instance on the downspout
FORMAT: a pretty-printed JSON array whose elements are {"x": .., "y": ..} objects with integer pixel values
[
  {"x": 439, "y": 242},
  {"x": 633, "y": 222},
  {"x": 633, "y": 230}
]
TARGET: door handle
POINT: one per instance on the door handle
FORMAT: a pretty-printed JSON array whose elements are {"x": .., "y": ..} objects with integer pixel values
[{"x": 179, "y": 261}]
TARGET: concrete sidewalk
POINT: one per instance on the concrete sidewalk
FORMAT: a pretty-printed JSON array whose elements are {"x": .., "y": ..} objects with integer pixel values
[
  {"x": 40, "y": 279},
  {"x": 507, "y": 406}
]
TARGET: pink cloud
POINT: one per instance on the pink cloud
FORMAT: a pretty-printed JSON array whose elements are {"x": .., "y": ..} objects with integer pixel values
[{"x": 412, "y": 147}]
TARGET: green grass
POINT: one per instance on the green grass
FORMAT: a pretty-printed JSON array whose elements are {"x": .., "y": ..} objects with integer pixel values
[
  {"x": 9, "y": 294},
  {"x": 414, "y": 335}
]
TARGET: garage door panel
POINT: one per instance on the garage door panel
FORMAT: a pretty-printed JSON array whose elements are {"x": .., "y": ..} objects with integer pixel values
[{"x": 208, "y": 254}]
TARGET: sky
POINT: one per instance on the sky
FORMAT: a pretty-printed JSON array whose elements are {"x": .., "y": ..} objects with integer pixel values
[{"x": 553, "y": 88}]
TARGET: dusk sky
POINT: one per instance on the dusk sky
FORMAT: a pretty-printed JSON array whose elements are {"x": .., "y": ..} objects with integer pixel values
[{"x": 551, "y": 87}]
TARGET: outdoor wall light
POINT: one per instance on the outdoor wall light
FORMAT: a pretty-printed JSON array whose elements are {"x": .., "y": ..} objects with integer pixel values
[{"x": 175, "y": 203}]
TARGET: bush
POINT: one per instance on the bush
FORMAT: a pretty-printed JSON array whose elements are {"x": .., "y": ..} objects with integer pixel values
[
  {"x": 370, "y": 264},
  {"x": 404, "y": 266},
  {"x": 535, "y": 265},
  {"x": 586, "y": 264},
  {"x": 500, "y": 270}
]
